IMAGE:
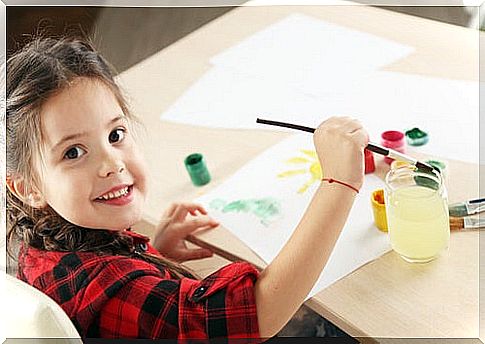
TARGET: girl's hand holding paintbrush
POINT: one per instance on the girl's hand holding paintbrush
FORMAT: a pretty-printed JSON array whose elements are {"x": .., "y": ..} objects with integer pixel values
[{"x": 340, "y": 142}]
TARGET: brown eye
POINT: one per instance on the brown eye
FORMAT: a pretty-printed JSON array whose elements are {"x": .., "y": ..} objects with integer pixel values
[
  {"x": 74, "y": 153},
  {"x": 117, "y": 135}
]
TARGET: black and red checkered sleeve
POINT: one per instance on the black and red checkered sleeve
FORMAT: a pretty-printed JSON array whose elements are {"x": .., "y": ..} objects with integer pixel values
[{"x": 221, "y": 305}]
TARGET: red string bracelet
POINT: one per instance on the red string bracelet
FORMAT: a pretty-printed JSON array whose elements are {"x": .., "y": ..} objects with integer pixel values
[{"x": 331, "y": 180}]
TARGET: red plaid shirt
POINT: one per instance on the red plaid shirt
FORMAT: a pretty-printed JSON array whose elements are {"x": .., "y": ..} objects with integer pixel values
[{"x": 124, "y": 297}]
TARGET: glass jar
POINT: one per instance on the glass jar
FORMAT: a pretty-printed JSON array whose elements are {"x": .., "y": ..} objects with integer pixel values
[{"x": 417, "y": 213}]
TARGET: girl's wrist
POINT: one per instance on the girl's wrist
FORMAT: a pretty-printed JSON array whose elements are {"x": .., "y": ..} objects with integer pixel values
[{"x": 338, "y": 183}]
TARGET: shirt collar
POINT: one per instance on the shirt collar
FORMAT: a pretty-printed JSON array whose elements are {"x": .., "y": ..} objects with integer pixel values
[{"x": 137, "y": 237}]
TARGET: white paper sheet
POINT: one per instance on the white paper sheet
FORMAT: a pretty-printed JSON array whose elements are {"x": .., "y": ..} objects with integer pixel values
[
  {"x": 267, "y": 225},
  {"x": 447, "y": 109},
  {"x": 307, "y": 44},
  {"x": 279, "y": 70}
]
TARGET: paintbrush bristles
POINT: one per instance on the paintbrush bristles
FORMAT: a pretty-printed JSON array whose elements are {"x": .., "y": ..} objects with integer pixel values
[{"x": 456, "y": 223}]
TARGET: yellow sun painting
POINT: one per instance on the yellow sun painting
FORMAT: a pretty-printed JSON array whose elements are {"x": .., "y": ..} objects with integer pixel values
[{"x": 314, "y": 169}]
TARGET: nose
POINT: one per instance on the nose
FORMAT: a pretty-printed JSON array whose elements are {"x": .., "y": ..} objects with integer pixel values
[{"x": 111, "y": 164}]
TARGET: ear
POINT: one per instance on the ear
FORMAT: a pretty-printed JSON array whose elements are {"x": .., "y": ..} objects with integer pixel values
[{"x": 30, "y": 196}]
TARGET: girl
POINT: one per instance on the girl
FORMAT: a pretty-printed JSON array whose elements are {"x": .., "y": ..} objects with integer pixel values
[{"x": 76, "y": 185}]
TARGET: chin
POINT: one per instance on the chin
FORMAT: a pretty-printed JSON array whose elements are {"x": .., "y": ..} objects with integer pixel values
[
  {"x": 115, "y": 221},
  {"x": 128, "y": 222},
  {"x": 121, "y": 224}
]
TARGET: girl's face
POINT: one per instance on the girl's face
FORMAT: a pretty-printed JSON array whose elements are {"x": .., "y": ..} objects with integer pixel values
[{"x": 93, "y": 174}]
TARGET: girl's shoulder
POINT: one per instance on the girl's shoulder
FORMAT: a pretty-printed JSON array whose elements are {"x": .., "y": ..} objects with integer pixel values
[
  {"x": 35, "y": 264},
  {"x": 81, "y": 282}
]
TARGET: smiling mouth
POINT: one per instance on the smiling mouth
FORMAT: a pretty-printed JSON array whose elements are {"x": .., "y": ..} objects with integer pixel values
[{"x": 118, "y": 194}]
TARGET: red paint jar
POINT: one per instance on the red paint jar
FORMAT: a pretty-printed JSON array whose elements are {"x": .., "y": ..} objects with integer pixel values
[{"x": 395, "y": 140}]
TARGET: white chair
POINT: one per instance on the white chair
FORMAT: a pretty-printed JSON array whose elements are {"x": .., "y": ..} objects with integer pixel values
[{"x": 28, "y": 313}]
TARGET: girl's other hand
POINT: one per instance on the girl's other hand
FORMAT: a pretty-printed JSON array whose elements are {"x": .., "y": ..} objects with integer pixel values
[
  {"x": 175, "y": 225},
  {"x": 340, "y": 143}
]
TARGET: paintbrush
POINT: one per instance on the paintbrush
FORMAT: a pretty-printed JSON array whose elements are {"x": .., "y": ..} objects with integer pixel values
[
  {"x": 471, "y": 207},
  {"x": 465, "y": 223},
  {"x": 371, "y": 146}
]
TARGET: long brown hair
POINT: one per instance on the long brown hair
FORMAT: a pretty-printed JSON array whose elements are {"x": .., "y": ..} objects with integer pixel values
[{"x": 41, "y": 69}]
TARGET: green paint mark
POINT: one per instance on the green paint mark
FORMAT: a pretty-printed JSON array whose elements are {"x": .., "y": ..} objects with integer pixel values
[
  {"x": 217, "y": 203},
  {"x": 266, "y": 209}
]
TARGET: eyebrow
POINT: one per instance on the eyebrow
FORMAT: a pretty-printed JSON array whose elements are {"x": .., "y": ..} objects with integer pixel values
[{"x": 84, "y": 133}]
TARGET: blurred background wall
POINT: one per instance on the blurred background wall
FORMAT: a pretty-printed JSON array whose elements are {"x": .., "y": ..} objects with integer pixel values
[{"x": 127, "y": 35}]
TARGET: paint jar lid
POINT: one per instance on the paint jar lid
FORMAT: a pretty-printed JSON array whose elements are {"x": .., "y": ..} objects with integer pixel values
[
  {"x": 416, "y": 137},
  {"x": 440, "y": 165},
  {"x": 392, "y": 138},
  {"x": 197, "y": 169}
]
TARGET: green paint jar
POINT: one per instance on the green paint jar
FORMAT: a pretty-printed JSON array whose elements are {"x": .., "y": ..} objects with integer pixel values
[
  {"x": 416, "y": 137},
  {"x": 198, "y": 172},
  {"x": 440, "y": 166}
]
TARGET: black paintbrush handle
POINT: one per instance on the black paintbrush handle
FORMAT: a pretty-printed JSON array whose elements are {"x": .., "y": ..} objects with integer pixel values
[
  {"x": 377, "y": 149},
  {"x": 480, "y": 200},
  {"x": 370, "y": 146},
  {"x": 285, "y": 125}
]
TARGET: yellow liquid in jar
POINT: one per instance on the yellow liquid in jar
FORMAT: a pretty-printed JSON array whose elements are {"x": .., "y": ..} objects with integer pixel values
[{"x": 418, "y": 223}]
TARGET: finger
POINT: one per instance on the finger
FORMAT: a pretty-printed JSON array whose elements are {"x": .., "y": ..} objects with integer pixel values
[
  {"x": 340, "y": 124},
  {"x": 185, "y": 208},
  {"x": 194, "y": 224},
  {"x": 180, "y": 213},
  {"x": 170, "y": 210},
  {"x": 352, "y": 126},
  {"x": 346, "y": 124},
  {"x": 361, "y": 138},
  {"x": 196, "y": 253},
  {"x": 332, "y": 120},
  {"x": 338, "y": 120},
  {"x": 166, "y": 217},
  {"x": 194, "y": 208}
]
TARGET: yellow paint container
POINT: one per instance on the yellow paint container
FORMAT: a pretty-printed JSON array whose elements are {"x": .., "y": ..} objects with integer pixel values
[
  {"x": 379, "y": 209},
  {"x": 396, "y": 164}
]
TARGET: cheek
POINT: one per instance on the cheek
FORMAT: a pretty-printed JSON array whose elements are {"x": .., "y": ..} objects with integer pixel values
[
  {"x": 65, "y": 189},
  {"x": 139, "y": 169},
  {"x": 141, "y": 177}
]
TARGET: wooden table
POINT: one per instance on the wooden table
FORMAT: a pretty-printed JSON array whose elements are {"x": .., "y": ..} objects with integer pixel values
[{"x": 385, "y": 298}]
